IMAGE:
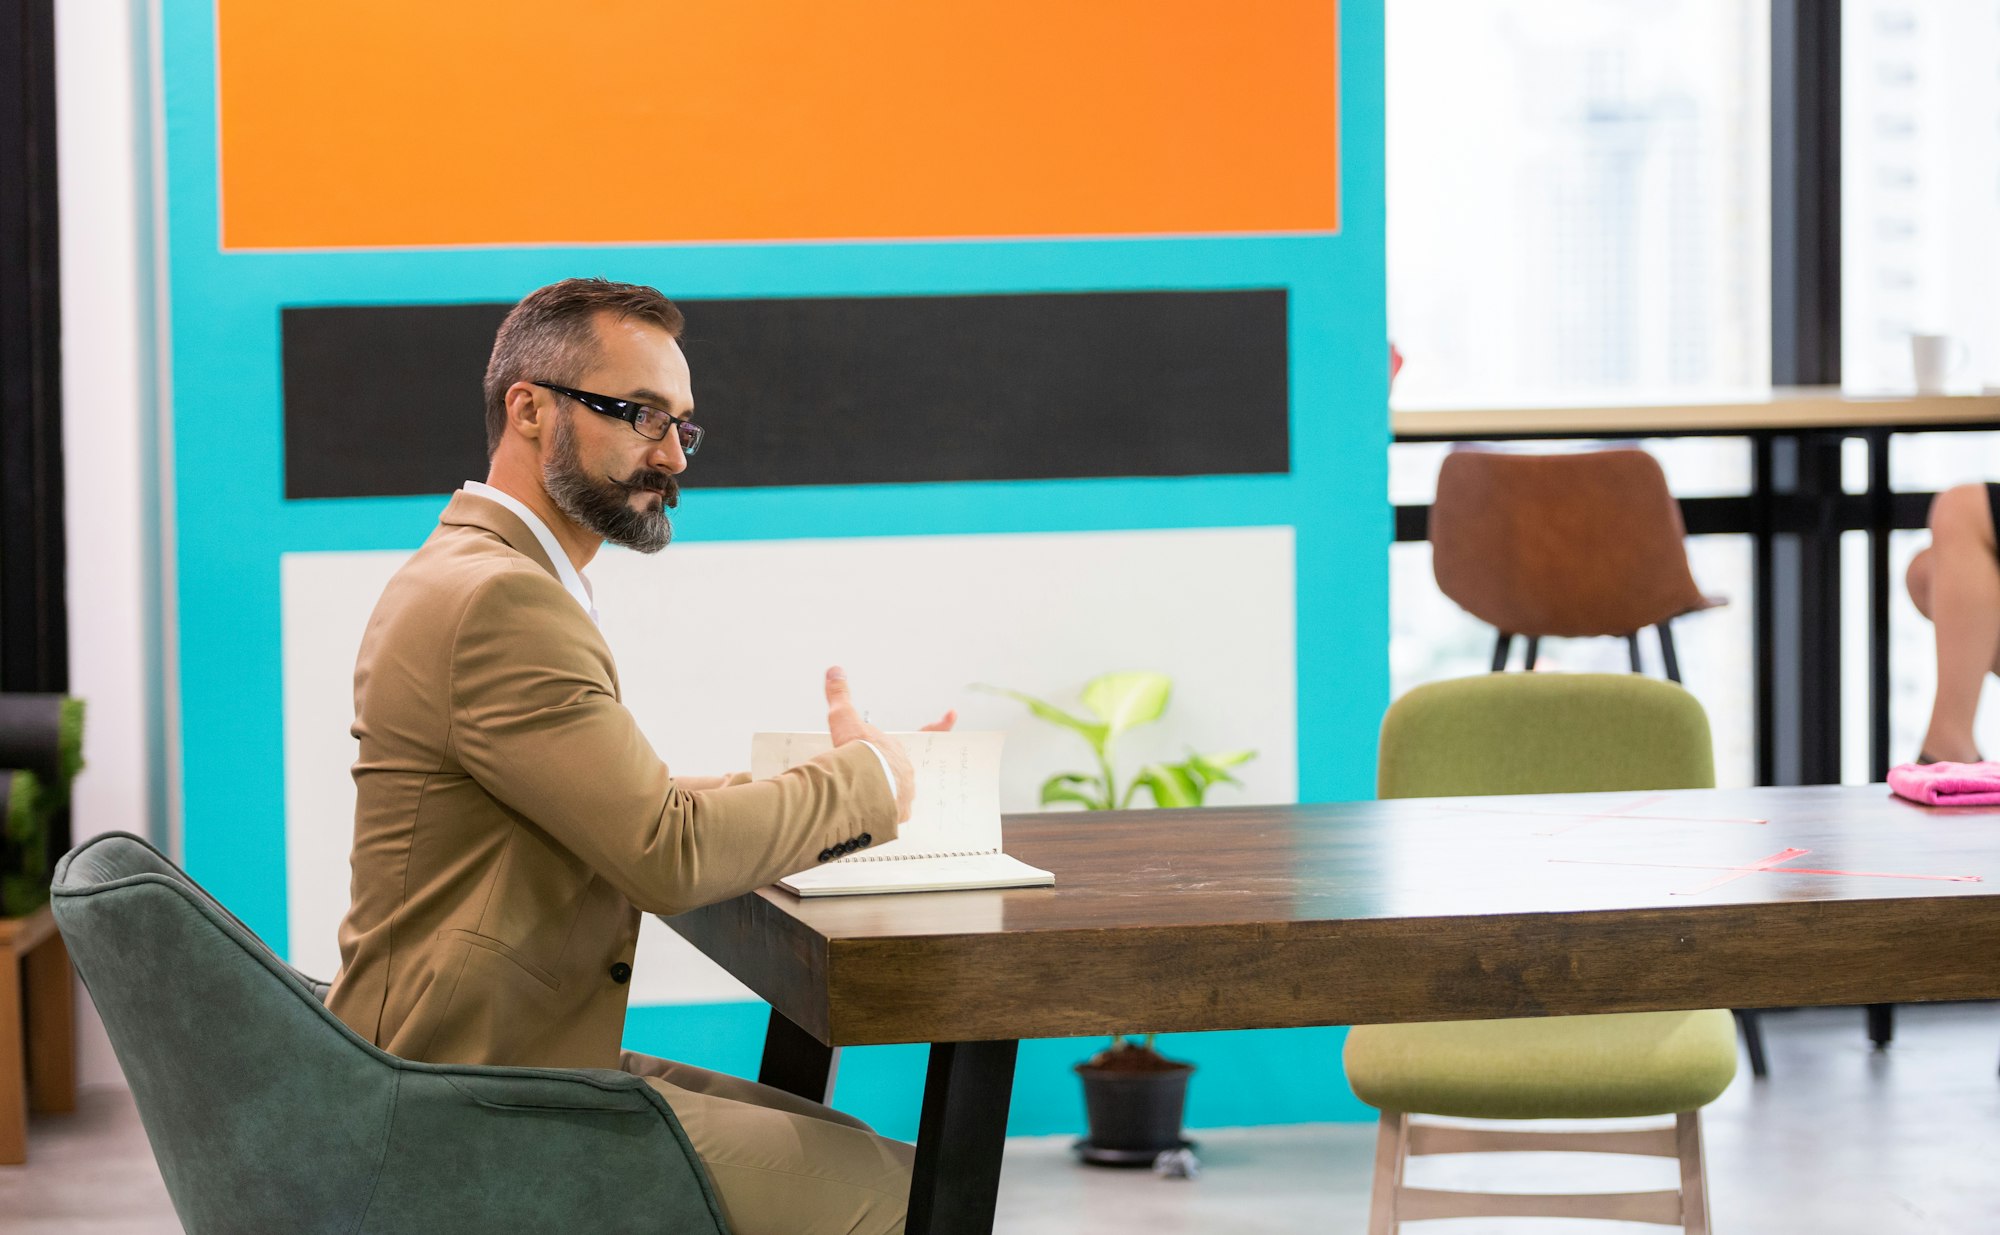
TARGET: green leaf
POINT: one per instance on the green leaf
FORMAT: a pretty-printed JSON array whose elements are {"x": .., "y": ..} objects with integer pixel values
[
  {"x": 1230, "y": 758},
  {"x": 1170, "y": 785},
  {"x": 1210, "y": 769},
  {"x": 1094, "y": 734},
  {"x": 1125, "y": 700},
  {"x": 1068, "y": 786}
]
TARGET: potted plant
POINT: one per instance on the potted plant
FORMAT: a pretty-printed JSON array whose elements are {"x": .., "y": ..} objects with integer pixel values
[
  {"x": 41, "y": 751},
  {"x": 1133, "y": 1096}
]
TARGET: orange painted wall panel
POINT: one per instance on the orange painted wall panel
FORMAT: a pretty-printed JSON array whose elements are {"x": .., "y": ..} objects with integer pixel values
[{"x": 429, "y": 122}]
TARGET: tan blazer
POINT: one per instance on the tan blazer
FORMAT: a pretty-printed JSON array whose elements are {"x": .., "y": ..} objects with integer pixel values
[{"x": 511, "y": 822}]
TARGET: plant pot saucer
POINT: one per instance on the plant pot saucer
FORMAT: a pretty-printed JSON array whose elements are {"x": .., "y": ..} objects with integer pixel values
[{"x": 1098, "y": 1156}]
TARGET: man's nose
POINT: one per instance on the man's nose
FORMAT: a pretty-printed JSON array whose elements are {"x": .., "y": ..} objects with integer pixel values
[{"x": 667, "y": 455}]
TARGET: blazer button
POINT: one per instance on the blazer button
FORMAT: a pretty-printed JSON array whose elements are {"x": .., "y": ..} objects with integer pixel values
[
  {"x": 621, "y": 973},
  {"x": 826, "y": 855},
  {"x": 864, "y": 840}
]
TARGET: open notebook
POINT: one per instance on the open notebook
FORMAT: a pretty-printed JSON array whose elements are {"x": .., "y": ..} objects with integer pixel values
[{"x": 952, "y": 840}]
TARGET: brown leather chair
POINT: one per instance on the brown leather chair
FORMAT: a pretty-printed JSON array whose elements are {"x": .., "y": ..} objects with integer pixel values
[{"x": 1563, "y": 545}]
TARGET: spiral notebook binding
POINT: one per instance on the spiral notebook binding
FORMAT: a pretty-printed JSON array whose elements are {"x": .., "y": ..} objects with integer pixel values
[{"x": 914, "y": 857}]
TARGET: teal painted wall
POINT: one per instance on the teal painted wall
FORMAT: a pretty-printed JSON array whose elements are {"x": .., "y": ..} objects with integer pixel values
[
  {"x": 1264, "y": 1076},
  {"x": 231, "y": 522}
]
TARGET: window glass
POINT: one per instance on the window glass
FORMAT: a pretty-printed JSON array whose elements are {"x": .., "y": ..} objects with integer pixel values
[
  {"x": 1578, "y": 198},
  {"x": 1920, "y": 188},
  {"x": 1932, "y": 462}
]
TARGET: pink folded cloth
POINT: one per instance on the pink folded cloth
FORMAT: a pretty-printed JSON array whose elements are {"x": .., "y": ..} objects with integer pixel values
[{"x": 1947, "y": 784}]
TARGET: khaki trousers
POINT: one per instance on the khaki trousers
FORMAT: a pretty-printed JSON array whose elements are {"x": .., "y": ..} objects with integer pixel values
[{"x": 781, "y": 1164}]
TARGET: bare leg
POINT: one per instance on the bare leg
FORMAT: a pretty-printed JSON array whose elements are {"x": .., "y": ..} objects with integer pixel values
[
  {"x": 1956, "y": 583},
  {"x": 1919, "y": 581}
]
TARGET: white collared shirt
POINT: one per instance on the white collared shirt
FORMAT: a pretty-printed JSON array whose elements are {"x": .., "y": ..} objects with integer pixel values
[{"x": 576, "y": 585}]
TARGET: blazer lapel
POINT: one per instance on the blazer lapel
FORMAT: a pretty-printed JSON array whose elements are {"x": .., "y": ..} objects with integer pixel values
[{"x": 471, "y": 510}]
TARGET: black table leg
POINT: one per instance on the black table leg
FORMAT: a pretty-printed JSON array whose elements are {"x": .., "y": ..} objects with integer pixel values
[
  {"x": 960, "y": 1138},
  {"x": 797, "y": 1062},
  {"x": 1881, "y": 1023}
]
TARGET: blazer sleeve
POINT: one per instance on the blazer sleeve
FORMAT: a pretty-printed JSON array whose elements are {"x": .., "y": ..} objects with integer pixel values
[{"x": 535, "y": 721}]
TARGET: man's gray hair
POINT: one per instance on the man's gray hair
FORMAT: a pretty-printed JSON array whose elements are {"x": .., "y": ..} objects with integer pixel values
[{"x": 552, "y": 336}]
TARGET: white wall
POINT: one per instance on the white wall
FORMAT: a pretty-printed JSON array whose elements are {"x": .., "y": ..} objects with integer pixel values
[
  {"x": 717, "y": 641},
  {"x": 102, "y": 139}
]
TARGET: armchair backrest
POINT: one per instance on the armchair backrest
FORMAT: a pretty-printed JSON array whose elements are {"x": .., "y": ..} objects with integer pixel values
[
  {"x": 267, "y": 1113},
  {"x": 252, "y": 1106}
]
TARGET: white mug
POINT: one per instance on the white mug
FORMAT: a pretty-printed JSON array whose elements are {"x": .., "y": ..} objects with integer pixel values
[{"x": 1933, "y": 359}]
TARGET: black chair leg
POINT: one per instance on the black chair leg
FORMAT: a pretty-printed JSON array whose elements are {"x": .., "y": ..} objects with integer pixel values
[
  {"x": 1501, "y": 647},
  {"x": 1534, "y": 650},
  {"x": 1632, "y": 642},
  {"x": 1667, "y": 657},
  {"x": 1753, "y": 1040},
  {"x": 1881, "y": 1023}
]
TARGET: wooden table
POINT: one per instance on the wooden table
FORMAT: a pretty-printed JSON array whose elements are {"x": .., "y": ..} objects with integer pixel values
[
  {"x": 1782, "y": 409},
  {"x": 1795, "y": 513},
  {"x": 38, "y": 1066},
  {"x": 1433, "y": 909}
]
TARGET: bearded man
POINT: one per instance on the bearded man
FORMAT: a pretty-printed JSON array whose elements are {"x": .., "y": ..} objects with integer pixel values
[{"x": 512, "y": 823}]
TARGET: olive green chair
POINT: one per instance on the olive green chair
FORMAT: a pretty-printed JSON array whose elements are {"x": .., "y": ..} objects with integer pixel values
[
  {"x": 1543, "y": 733},
  {"x": 266, "y": 1113}
]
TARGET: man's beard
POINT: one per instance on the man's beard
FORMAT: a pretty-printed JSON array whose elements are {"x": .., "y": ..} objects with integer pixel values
[{"x": 601, "y": 506}]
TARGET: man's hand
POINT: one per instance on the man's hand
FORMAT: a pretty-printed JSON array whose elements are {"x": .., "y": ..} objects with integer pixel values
[{"x": 846, "y": 725}]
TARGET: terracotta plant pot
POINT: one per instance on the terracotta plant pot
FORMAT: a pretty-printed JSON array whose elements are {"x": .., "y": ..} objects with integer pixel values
[{"x": 1134, "y": 1106}]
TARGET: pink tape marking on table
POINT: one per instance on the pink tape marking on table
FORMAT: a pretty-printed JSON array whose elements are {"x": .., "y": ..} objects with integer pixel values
[
  {"x": 1772, "y": 864},
  {"x": 1580, "y": 819}
]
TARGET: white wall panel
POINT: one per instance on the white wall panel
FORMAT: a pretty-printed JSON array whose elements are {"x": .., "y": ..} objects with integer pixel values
[
  {"x": 716, "y": 641},
  {"x": 110, "y": 507}
]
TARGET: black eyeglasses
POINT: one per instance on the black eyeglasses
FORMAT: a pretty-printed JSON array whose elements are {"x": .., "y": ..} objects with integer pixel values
[{"x": 649, "y": 421}]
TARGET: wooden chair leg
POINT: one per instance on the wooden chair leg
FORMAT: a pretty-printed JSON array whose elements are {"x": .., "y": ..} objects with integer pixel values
[
  {"x": 1534, "y": 653},
  {"x": 1694, "y": 1176},
  {"x": 1392, "y": 1143},
  {"x": 51, "y": 1029},
  {"x": 1501, "y": 646},
  {"x": 1632, "y": 645},
  {"x": 13, "y": 1088}
]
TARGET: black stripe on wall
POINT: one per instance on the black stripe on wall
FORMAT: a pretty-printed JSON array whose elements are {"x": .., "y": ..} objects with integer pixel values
[{"x": 385, "y": 400}]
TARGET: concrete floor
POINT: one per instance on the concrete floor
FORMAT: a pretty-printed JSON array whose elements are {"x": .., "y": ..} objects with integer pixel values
[{"x": 1840, "y": 1139}]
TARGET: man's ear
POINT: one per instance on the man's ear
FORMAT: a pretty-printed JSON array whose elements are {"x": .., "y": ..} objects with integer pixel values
[{"x": 525, "y": 410}]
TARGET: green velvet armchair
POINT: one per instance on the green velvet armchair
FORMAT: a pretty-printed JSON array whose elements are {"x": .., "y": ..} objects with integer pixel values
[{"x": 266, "y": 1113}]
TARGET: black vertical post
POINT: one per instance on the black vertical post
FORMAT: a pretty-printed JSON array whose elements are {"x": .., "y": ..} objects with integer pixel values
[
  {"x": 1798, "y": 617},
  {"x": 1818, "y": 616},
  {"x": 1799, "y": 555},
  {"x": 34, "y": 639},
  {"x": 1805, "y": 193},
  {"x": 1881, "y": 520},
  {"x": 1764, "y": 638}
]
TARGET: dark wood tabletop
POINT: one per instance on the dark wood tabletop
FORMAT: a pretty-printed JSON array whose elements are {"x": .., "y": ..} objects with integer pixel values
[{"x": 1428, "y": 909}]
